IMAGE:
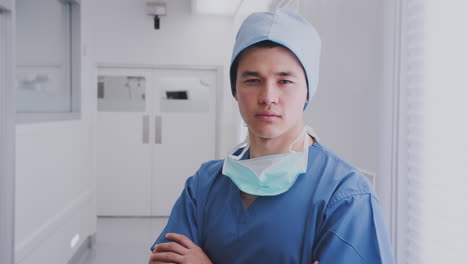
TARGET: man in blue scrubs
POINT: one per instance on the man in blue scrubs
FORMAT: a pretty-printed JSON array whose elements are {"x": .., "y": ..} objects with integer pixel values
[{"x": 280, "y": 196}]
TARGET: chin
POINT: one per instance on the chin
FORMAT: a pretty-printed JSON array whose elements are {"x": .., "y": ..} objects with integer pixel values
[{"x": 266, "y": 131}]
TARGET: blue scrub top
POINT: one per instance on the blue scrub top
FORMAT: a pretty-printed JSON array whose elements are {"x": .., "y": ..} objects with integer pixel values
[{"x": 330, "y": 214}]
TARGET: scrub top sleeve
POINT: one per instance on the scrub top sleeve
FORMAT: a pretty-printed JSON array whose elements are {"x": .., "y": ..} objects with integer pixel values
[
  {"x": 353, "y": 231},
  {"x": 183, "y": 215}
]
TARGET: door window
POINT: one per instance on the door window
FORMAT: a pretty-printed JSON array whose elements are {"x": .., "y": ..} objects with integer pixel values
[
  {"x": 47, "y": 55},
  {"x": 121, "y": 93},
  {"x": 184, "y": 94}
]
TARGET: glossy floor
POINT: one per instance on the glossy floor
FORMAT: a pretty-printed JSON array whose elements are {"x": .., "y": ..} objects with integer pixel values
[{"x": 124, "y": 240}]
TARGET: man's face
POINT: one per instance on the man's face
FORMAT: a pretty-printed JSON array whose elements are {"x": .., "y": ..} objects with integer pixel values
[{"x": 271, "y": 90}]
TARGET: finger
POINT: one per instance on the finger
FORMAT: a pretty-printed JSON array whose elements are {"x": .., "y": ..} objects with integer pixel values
[
  {"x": 165, "y": 257},
  {"x": 170, "y": 247},
  {"x": 181, "y": 239},
  {"x": 160, "y": 262}
]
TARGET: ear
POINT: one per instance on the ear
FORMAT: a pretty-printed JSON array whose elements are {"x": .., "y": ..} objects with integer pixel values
[{"x": 306, "y": 102}]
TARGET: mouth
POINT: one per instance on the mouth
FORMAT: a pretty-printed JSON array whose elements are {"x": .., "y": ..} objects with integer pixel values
[{"x": 268, "y": 116}]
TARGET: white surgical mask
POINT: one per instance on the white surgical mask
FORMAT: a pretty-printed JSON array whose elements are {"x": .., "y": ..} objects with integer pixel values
[{"x": 267, "y": 175}]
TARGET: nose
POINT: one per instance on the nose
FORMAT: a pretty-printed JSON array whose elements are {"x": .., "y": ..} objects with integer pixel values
[{"x": 268, "y": 93}]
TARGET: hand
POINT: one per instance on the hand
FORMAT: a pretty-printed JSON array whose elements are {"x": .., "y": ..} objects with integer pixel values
[{"x": 182, "y": 251}]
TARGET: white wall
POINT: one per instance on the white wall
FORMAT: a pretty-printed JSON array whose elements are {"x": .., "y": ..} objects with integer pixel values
[
  {"x": 54, "y": 189},
  {"x": 120, "y": 32},
  {"x": 352, "y": 110},
  {"x": 345, "y": 110},
  {"x": 55, "y": 197}
]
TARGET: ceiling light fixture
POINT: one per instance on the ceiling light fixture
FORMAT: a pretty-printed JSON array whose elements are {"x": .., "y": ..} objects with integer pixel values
[{"x": 156, "y": 9}]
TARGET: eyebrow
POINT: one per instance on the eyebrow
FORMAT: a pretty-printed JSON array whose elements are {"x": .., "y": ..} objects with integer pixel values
[
  {"x": 256, "y": 74},
  {"x": 285, "y": 74},
  {"x": 250, "y": 73}
]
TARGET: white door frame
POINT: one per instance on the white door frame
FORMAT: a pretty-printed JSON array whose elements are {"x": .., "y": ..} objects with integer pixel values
[
  {"x": 392, "y": 183},
  {"x": 7, "y": 132}
]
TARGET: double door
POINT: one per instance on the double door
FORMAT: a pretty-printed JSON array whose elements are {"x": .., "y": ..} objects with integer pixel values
[{"x": 155, "y": 126}]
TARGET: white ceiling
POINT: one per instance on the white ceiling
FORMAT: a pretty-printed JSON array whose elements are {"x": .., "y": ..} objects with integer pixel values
[
  {"x": 215, "y": 7},
  {"x": 229, "y": 7}
]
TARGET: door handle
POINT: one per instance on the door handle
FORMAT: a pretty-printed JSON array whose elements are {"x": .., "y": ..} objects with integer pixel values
[
  {"x": 145, "y": 129},
  {"x": 158, "y": 129}
]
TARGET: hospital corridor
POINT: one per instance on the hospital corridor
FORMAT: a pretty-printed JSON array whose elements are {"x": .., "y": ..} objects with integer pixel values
[
  {"x": 233, "y": 131},
  {"x": 110, "y": 247}
]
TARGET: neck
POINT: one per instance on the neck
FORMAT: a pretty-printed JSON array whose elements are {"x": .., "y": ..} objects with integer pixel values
[{"x": 261, "y": 146}]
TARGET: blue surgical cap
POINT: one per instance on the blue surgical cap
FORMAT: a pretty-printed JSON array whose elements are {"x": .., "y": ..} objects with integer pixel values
[{"x": 287, "y": 29}]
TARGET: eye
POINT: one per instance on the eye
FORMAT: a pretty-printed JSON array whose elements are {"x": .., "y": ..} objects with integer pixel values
[
  {"x": 252, "y": 81},
  {"x": 285, "y": 81}
]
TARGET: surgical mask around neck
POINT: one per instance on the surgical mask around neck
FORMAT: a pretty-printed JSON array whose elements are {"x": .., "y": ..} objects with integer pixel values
[{"x": 267, "y": 175}]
